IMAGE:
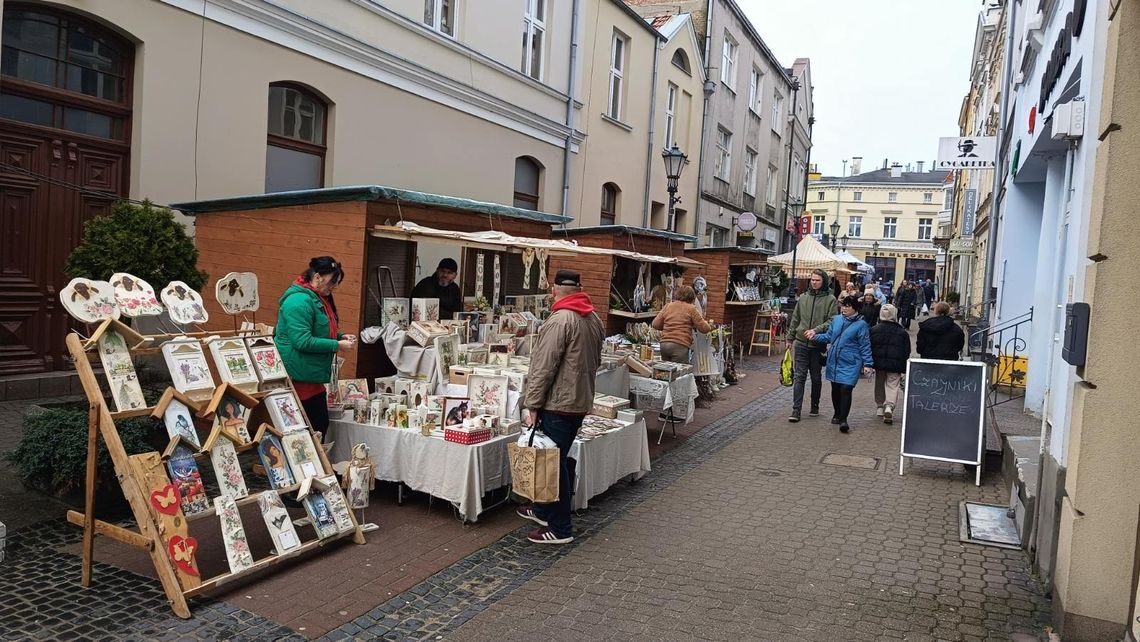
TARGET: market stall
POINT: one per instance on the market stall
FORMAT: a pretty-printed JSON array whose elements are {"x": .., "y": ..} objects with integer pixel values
[
  {"x": 811, "y": 255},
  {"x": 740, "y": 285}
]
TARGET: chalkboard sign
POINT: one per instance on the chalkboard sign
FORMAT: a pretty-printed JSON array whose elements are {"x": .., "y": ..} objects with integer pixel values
[{"x": 945, "y": 411}]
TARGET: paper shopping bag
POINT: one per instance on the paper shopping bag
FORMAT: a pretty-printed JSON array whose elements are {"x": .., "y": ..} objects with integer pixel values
[{"x": 534, "y": 472}]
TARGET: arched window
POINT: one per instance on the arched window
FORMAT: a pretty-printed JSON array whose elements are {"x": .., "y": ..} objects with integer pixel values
[
  {"x": 64, "y": 72},
  {"x": 611, "y": 201},
  {"x": 528, "y": 175},
  {"x": 682, "y": 61},
  {"x": 295, "y": 150}
]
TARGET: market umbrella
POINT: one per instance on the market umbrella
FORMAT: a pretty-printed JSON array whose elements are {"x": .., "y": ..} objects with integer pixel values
[
  {"x": 810, "y": 255},
  {"x": 859, "y": 265}
]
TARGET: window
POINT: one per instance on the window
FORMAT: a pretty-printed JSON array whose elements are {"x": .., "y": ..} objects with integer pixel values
[
  {"x": 819, "y": 196},
  {"x": 440, "y": 15},
  {"x": 534, "y": 33},
  {"x": 772, "y": 185},
  {"x": 925, "y": 227},
  {"x": 892, "y": 197},
  {"x": 671, "y": 116},
  {"x": 890, "y": 227},
  {"x": 528, "y": 175},
  {"x": 777, "y": 111},
  {"x": 755, "y": 85},
  {"x": 723, "y": 154},
  {"x": 855, "y": 226},
  {"x": 927, "y": 197},
  {"x": 857, "y": 196},
  {"x": 295, "y": 150},
  {"x": 682, "y": 61},
  {"x": 728, "y": 66},
  {"x": 715, "y": 234},
  {"x": 617, "y": 75},
  {"x": 750, "y": 172},
  {"x": 817, "y": 225},
  {"x": 611, "y": 194}
]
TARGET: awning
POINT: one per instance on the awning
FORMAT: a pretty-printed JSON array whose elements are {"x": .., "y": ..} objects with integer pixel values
[
  {"x": 503, "y": 242},
  {"x": 859, "y": 265},
  {"x": 810, "y": 255}
]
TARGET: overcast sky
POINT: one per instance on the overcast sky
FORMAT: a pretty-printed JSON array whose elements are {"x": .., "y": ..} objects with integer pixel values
[{"x": 889, "y": 75}]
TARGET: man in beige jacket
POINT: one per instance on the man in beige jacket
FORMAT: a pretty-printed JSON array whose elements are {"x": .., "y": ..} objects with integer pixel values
[{"x": 560, "y": 392}]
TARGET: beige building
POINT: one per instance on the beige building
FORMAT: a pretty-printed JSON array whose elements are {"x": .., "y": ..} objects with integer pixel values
[{"x": 886, "y": 218}]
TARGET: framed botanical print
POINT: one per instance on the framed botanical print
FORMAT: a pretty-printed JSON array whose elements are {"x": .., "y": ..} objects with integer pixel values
[
  {"x": 227, "y": 470},
  {"x": 266, "y": 361},
  {"x": 395, "y": 310},
  {"x": 301, "y": 454},
  {"x": 189, "y": 370},
  {"x": 285, "y": 411},
  {"x": 488, "y": 392},
  {"x": 234, "y": 364},
  {"x": 233, "y": 534}
]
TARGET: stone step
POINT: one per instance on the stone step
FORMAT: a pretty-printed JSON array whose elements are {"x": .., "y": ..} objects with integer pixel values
[{"x": 41, "y": 385}]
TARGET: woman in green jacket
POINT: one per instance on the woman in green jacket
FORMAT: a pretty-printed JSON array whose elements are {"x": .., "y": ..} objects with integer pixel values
[{"x": 307, "y": 335}]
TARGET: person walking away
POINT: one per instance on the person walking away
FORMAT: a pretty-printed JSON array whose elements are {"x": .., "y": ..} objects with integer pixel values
[
  {"x": 308, "y": 338},
  {"x": 676, "y": 322},
  {"x": 870, "y": 309},
  {"x": 939, "y": 337},
  {"x": 560, "y": 392},
  {"x": 920, "y": 306},
  {"x": 890, "y": 348},
  {"x": 848, "y": 357},
  {"x": 931, "y": 295},
  {"x": 813, "y": 311},
  {"x": 441, "y": 285},
  {"x": 836, "y": 289},
  {"x": 904, "y": 301}
]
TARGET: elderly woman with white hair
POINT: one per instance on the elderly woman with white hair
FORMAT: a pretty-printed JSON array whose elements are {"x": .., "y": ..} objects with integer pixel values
[{"x": 890, "y": 347}]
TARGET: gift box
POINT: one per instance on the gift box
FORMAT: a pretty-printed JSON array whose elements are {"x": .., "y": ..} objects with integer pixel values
[
  {"x": 466, "y": 436},
  {"x": 608, "y": 406},
  {"x": 425, "y": 309},
  {"x": 476, "y": 354},
  {"x": 665, "y": 371},
  {"x": 458, "y": 375},
  {"x": 629, "y": 416},
  {"x": 425, "y": 332},
  {"x": 637, "y": 366}
]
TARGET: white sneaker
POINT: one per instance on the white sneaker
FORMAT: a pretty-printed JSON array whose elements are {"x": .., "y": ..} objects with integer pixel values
[
  {"x": 879, "y": 411},
  {"x": 888, "y": 415}
]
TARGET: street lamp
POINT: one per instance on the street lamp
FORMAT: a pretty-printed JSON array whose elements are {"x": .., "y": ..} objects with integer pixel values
[
  {"x": 674, "y": 162},
  {"x": 875, "y": 247},
  {"x": 843, "y": 242},
  {"x": 834, "y": 233},
  {"x": 793, "y": 211}
]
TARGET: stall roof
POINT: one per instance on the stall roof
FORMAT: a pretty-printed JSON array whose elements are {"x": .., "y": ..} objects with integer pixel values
[
  {"x": 365, "y": 193},
  {"x": 731, "y": 248},
  {"x": 810, "y": 255},
  {"x": 407, "y": 231},
  {"x": 622, "y": 229}
]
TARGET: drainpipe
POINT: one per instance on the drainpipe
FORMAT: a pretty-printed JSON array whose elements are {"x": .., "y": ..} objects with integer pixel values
[
  {"x": 652, "y": 120},
  {"x": 709, "y": 88},
  {"x": 566, "y": 155}
]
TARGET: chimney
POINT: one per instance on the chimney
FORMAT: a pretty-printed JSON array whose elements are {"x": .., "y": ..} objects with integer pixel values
[
  {"x": 856, "y": 165},
  {"x": 908, "y": 168},
  {"x": 920, "y": 165},
  {"x": 884, "y": 163},
  {"x": 896, "y": 171}
]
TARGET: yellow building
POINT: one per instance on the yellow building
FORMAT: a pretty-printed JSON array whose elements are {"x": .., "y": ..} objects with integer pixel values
[{"x": 886, "y": 218}]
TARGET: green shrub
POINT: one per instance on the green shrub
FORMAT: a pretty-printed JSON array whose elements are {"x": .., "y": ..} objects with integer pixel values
[
  {"x": 52, "y": 455},
  {"x": 142, "y": 240},
  {"x": 952, "y": 297}
]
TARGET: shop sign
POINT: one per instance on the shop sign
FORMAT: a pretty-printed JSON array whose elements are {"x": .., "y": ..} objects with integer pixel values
[
  {"x": 746, "y": 222},
  {"x": 969, "y": 209},
  {"x": 961, "y": 246},
  {"x": 966, "y": 152},
  {"x": 906, "y": 255},
  {"x": 805, "y": 225},
  {"x": 1062, "y": 49}
]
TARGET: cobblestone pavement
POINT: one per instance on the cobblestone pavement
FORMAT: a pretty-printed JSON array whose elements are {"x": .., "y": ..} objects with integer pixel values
[{"x": 761, "y": 541}]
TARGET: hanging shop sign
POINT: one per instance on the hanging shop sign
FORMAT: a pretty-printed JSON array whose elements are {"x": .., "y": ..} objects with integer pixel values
[
  {"x": 961, "y": 247},
  {"x": 1062, "y": 49},
  {"x": 746, "y": 222},
  {"x": 969, "y": 210},
  {"x": 966, "y": 152}
]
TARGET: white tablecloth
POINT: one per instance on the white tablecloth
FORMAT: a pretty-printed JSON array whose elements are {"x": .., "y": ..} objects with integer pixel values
[
  {"x": 658, "y": 396},
  {"x": 604, "y": 460},
  {"x": 455, "y": 472},
  {"x": 613, "y": 382}
]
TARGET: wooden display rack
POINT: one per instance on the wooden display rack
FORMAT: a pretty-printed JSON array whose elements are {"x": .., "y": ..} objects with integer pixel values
[{"x": 140, "y": 474}]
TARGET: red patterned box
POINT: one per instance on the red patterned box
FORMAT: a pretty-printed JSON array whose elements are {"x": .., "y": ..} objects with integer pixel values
[{"x": 467, "y": 436}]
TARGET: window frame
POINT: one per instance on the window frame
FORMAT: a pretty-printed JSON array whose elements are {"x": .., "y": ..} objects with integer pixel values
[
  {"x": 612, "y": 191},
  {"x": 524, "y": 196},
  {"x": 755, "y": 91},
  {"x": 772, "y": 180},
  {"x": 671, "y": 115},
  {"x": 716, "y": 234},
  {"x": 892, "y": 197},
  {"x": 927, "y": 198},
  {"x": 929, "y": 228},
  {"x": 890, "y": 227},
  {"x": 750, "y": 160},
  {"x": 730, "y": 54},
  {"x": 855, "y": 226},
  {"x": 297, "y": 145},
  {"x": 857, "y": 196},
  {"x": 532, "y": 24},
  {"x": 777, "y": 111},
  {"x": 617, "y": 75},
  {"x": 435, "y": 7},
  {"x": 722, "y": 168},
  {"x": 820, "y": 196},
  {"x": 818, "y": 224},
  {"x": 684, "y": 65}
]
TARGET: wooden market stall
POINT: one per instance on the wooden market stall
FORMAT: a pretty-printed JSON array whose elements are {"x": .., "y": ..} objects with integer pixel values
[
  {"x": 723, "y": 267},
  {"x": 275, "y": 235},
  {"x": 811, "y": 255},
  {"x": 610, "y": 278}
]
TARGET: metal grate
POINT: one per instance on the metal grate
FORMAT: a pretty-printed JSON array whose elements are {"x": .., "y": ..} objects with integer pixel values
[{"x": 851, "y": 461}]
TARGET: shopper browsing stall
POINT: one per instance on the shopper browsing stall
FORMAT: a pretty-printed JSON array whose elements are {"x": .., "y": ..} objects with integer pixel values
[
  {"x": 307, "y": 335},
  {"x": 560, "y": 392},
  {"x": 441, "y": 285},
  {"x": 676, "y": 322}
]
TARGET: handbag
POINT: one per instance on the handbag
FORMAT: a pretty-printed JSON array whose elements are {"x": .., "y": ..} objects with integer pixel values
[
  {"x": 786, "y": 377},
  {"x": 534, "y": 471}
]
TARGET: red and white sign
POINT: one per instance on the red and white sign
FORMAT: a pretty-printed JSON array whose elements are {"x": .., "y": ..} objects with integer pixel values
[{"x": 805, "y": 225}]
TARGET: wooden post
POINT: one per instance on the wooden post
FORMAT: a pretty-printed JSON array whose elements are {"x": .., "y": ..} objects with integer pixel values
[{"x": 89, "y": 492}]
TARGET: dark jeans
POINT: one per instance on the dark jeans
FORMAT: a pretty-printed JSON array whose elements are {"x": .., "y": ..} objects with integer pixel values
[
  {"x": 905, "y": 319},
  {"x": 562, "y": 429},
  {"x": 841, "y": 400},
  {"x": 317, "y": 408},
  {"x": 807, "y": 360}
]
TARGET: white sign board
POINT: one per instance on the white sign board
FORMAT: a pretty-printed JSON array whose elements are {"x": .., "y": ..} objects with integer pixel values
[
  {"x": 961, "y": 246},
  {"x": 967, "y": 152}
]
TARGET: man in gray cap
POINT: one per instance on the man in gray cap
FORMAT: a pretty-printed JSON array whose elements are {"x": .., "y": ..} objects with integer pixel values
[
  {"x": 560, "y": 392},
  {"x": 441, "y": 285}
]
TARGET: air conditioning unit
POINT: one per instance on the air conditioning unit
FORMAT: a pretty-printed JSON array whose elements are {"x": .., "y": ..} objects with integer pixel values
[{"x": 1069, "y": 120}]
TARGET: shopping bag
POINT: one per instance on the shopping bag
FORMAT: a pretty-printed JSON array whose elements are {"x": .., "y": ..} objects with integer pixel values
[
  {"x": 534, "y": 471},
  {"x": 786, "y": 377}
]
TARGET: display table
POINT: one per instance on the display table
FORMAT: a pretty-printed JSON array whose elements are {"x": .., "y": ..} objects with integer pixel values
[
  {"x": 459, "y": 474},
  {"x": 659, "y": 396},
  {"x": 606, "y": 459},
  {"x": 613, "y": 382}
]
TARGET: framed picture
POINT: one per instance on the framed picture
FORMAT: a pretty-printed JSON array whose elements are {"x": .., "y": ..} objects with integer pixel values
[
  {"x": 425, "y": 309},
  {"x": 395, "y": 310},
  {"x": 488, "y": 392},
  {"x": 352, "y": 390},
  {"x": 277, "y": 522},
  {"x": 179, "y": 422},
  {"x": 272, "y": 456},
  {"x": 447, "y": 353},
  {"x": 232, "y": 416},
  {"x": 285, "y": 411},
  {"x": 233, "y": 534},
  {"x": 266, "y": 360},
  {"x": 227, "y": 470},
  {"x": 189, "y": 370},
  {"x": 301, "y": 454},
  {"x": 319, "y": 511},
  {"x": 234, "y": 364},
  {"x": 185, "y": 475},
  {"x": 455, "y": 410}
]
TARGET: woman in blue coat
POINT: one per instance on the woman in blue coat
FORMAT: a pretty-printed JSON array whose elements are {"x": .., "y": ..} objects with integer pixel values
[{"x": 847, "y": 358}]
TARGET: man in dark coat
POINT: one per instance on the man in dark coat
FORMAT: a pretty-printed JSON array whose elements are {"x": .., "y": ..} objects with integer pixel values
[
  {"x": 939, "y": 337},
  {"x": 905, "y": 301},
  {"x": 441, "y": 285},
  {"x": 890, "y": 348}
]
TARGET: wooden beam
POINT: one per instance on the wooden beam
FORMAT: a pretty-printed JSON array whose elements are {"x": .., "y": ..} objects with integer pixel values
[
  {"x": 88, "y": 522},
  {"x": 117, "y": 533},
  {"x": 249, "y": 499}
]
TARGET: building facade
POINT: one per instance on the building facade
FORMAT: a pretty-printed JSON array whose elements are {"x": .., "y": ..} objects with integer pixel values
[{"x": 887, "y": 216}]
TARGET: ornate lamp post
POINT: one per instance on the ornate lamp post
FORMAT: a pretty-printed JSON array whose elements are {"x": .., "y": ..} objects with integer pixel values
[
  {"x": 674, "y": 163},
  {"x": 843, "y": 242},
  {"x": 794, "y": 211},
  {"x": 834, "y": 233}
]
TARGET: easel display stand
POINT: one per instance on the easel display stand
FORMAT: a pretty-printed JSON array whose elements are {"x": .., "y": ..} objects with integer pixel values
[{"x": 163, "y": 529}]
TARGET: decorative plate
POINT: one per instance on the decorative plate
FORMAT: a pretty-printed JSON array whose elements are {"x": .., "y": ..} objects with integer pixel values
[
  {"x": 135, "y": 297},
  {"x": 236, "y": 292},
  {"x": 89, "y": 301},
  {"x": 184, "y": 304}
]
